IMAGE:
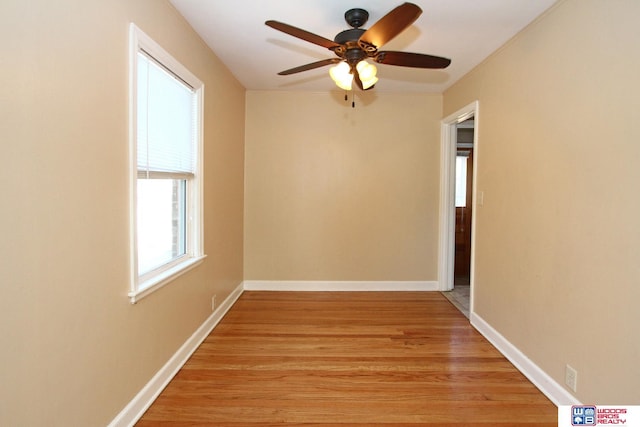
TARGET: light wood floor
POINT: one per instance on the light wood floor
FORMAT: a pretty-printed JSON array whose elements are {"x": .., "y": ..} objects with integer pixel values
[{"x": 356, "y": 359}]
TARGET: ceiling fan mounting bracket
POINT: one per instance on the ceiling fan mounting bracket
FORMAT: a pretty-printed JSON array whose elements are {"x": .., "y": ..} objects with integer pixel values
[
  {"x": 367, "y": 47},
  {"x": 356, "y": 18}
]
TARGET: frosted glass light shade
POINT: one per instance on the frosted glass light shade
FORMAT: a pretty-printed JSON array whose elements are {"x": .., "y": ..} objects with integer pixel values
[
  {"x": 341, "y": 75},
  {"x": 367, "y": 73}
]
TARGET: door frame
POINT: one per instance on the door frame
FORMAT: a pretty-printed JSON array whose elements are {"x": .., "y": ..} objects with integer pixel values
[{"x": 446, "y": 249}]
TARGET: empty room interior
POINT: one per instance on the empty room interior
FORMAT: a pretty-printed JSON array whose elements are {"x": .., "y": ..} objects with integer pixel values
[{"x": 321, "y": 192}]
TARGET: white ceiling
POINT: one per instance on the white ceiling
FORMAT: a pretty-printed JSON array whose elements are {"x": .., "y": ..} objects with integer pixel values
[{"x": 466, "y": 31}]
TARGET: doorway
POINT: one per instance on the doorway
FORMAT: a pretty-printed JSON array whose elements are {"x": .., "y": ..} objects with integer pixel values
[
  {"x": 458, "y": 160},
  {"x": 463, "y": 189}
]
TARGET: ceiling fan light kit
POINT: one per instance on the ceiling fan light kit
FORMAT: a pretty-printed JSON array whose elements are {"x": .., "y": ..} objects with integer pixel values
[
  {"x": 342, "y": 75},
  {"x": 355, "y": 45}
]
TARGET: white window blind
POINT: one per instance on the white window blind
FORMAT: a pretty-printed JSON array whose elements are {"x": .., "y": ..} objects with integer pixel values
[{"x": 166, "y": 120}]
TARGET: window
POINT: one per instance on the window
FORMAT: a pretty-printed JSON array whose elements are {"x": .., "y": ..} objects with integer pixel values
[
  {"x": 166, "y": 171},
  {"x": 461, "y": 181}
]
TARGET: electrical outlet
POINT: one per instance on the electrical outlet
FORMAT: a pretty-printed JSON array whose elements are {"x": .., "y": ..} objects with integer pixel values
[
  {"x": 213, "y": 303},
  {"x": 571, "y": 377}
]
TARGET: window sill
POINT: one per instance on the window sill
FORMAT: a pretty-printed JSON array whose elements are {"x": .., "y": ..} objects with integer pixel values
[{"x": 149, "y": 286}]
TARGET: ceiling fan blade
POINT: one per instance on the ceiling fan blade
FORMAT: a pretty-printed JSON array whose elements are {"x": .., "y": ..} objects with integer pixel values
[
  {"x": 310, "y": 66},
  {"x": 302, "y": 34},
  {"x": 389, "y": 26},
  {"x": 408, "y": 59}
]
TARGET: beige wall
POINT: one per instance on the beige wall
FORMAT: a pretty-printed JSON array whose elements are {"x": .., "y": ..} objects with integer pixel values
[
  {"x": 336, "y": 193},
  {"x": 74, "y": 352},
  {"x": 558, "y": 237}
]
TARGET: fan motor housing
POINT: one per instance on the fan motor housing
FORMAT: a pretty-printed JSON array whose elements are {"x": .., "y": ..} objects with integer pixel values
[{"x": 347, "y": 36}]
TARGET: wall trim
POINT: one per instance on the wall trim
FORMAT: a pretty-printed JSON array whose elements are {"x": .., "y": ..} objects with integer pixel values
[
  {"x": 547, "y": 385},
  {"x": 336, "y": 286},
  {"x": 143, "y": 400}
]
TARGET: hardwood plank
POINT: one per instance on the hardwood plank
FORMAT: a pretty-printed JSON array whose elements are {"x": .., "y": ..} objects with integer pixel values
[{"x": 350, "y": 358}]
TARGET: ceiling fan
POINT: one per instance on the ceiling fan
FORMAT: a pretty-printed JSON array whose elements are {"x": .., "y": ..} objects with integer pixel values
[{"x": 353, "y": 46}]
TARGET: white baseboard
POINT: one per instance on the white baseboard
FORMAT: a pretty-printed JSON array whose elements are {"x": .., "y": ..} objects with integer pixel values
[
  {"x": 141, "y": 402},
  {"x": 547, "y": 385},
  {"x": 336, "y": 286}
]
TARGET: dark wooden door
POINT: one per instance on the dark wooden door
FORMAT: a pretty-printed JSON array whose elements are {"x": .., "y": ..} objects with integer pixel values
[{"x": 462, "y": 263}]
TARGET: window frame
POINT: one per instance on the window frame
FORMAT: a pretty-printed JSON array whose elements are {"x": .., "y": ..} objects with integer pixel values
[{"x": 143, "y": 285}]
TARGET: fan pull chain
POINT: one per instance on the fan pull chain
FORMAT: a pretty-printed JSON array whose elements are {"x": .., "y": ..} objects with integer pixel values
[{"x": 353, "y": 98}]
